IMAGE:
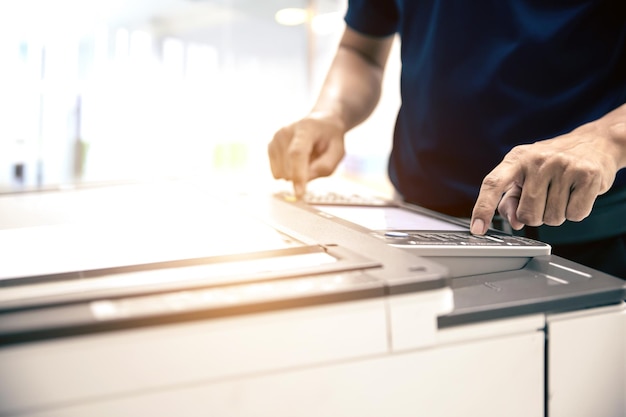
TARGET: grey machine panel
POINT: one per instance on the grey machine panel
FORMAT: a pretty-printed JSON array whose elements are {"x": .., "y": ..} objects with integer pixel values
[{"x": 549, "y": 284}]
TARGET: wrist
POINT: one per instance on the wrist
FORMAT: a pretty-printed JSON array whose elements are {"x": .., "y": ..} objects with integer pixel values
[
  {"x": 331, "y": 117},
  {"x": 610, "y": 134},
  {"x": 617, "y": 135}
]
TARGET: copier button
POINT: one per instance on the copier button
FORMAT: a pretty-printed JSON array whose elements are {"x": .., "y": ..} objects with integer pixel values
[{"x": 396, "y": 235}]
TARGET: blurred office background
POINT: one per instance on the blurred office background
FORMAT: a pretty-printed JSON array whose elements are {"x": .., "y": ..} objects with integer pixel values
[{"x": 106, "y": 90}]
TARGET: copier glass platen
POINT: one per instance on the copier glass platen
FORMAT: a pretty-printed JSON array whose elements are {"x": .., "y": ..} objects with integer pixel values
[{"x": 426, "y": 233}]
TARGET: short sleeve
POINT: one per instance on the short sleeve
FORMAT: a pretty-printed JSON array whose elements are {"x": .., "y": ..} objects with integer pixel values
[{"x": 373, "y": 17}]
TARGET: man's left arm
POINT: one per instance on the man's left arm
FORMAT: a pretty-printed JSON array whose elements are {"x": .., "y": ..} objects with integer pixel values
[{"x": 554, "y": 180}]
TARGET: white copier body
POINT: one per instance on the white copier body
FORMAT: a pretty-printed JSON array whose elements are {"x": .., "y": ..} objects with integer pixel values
[{"x": 313, "y": 318}]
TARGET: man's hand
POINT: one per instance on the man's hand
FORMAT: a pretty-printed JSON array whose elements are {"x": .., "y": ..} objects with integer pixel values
[
  {"x": 307, "y": 149},
  {"x": 551, "y": 181},
  {"x": 314, "y": 146}
]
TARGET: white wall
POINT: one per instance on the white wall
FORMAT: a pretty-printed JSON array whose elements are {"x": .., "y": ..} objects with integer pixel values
[{"x": 188, "y": 94}]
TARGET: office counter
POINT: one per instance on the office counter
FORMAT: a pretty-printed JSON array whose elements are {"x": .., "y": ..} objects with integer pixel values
[{"x": 163, "y": 299}]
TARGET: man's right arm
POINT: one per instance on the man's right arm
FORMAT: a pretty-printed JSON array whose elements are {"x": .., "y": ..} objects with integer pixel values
[{"x": 313, "y": 146}]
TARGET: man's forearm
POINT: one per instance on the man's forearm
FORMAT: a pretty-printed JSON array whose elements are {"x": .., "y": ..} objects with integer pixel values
[{"x": 352, "y": 87}]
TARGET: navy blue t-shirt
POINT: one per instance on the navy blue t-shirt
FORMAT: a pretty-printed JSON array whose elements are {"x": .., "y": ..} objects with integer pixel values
[{"x": 479, "y": 77}]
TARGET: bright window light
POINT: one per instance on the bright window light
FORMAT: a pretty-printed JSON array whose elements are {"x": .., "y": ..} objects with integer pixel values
[
  {"x": 327, "y": 23},
  {"x": 291, "y": 16}
]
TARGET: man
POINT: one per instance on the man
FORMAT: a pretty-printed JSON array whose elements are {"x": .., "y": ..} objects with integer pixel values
[{"x": 516, "y": 106}]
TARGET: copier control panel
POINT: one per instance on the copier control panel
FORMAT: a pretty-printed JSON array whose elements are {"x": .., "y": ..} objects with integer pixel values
[
  {"x": 461, "y": 239},
  {"x": 424, "y": 232}
]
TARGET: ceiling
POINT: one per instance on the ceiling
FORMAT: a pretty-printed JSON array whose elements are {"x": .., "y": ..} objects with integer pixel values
[{"x": 28, "y": 17}]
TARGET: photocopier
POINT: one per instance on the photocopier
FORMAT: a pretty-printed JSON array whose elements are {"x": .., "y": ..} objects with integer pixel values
[{"x": 171, "y": 298}]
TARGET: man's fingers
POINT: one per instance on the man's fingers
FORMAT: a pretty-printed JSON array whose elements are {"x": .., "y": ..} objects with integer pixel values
[
  {"x": 558, "y": 179},
  {"x": 305, "y": 150},
  {"x": 297, "y": 161},
  {"x": 582, "y": 197},
  {"x": 495, "y": 184},
  {"x": 532, "y": 201},
  {"x": 508, "y": 206},
  {"x": 556, "y": 202},
  {"x": 276, "y": 151},
  {"x": 325, "y": 160},
  {"x": 290, "y": 153}
]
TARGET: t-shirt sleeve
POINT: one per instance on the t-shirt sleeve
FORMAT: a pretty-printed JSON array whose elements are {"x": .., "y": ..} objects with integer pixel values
[{"x": 373, "y": 17}]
